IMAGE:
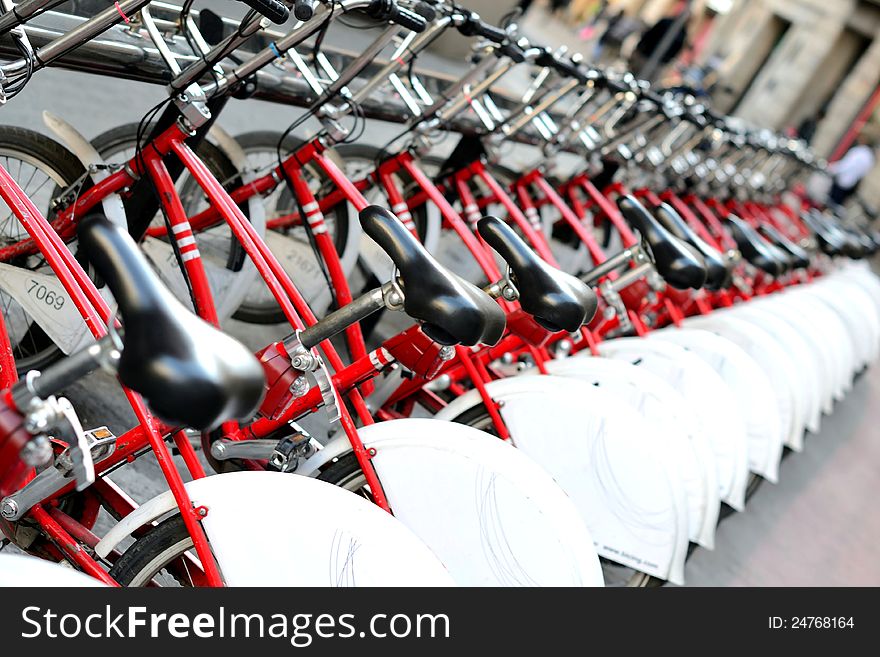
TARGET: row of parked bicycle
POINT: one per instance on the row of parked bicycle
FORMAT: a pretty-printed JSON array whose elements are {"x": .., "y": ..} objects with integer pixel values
[{"x": 602, "y": 354}]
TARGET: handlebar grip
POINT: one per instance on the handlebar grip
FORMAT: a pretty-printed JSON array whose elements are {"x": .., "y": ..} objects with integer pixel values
[
  {"x": 426, "y": 11},
  {"x": 572, "y": 70},
  {"x": 275, "y": 11},
  {"x": 408, "y": 19},
  {"x": 304, "y": 9},
  {"x": 617, "y": 85},
  {"x": 475, "y": 26},
  {"x": 512, "y": 51},
  {"x": 487, "y": 31},
  {"x": 696, "y": 118},
  {"x": 563, "y": 66},
  {"x": 653, "y": 96},
  {"x": 545, "y": 59}
]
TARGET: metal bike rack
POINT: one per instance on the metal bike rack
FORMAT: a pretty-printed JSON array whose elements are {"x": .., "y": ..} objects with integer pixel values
[{"x": 125, "y": 51}]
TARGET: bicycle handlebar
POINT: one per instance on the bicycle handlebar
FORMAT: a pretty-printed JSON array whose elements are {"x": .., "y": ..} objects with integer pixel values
[
  {"x": 274, "y": 10},
  {"x": 304, "y": 9},
  {"x": 475, "y": 26},
  {"x": 406, "y": 18},
  {"x": 617, "y": 85},
  {"x": 512, "y": 51},
  {"x": 426, "y": 11},
  {"x": 389, "y": 10},
  {"x": 648, "y": 94},
  {"x": 563, "y": 66}
]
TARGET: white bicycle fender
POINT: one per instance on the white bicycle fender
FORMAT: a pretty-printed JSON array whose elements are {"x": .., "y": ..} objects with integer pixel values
[
  {"x": 712, "y": 403},
  {"x": 600, "y": 452},
  {"x": 231, "y": 149},
  {"x": 867, "y": 279},
  {"x": 838, "y": 296},
  {"x": 824, "y": 332},
  {"x": 669, "y": 417},
  {"x": 343, "y": 539},
  {"x": 490, "y": 513},
  {"x": 761, "y": 346},
  {"x": 148, "y": 512},
  {"x": 793, "y": 343},
  {"x": 838, "y": 340},
  {"x": 29, "y": 572},
  {"x": 424, "y": 465},
  {"x": 340, "y": 539},
  {"x": 860, "y": 305},
  {"x": 757, "y": 401},
  {"x": 64, "y": 325},
  {"x": 89, "y": 156}
]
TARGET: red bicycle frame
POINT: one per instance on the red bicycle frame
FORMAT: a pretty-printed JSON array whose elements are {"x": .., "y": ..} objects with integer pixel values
[{"x": 98, "y": 316}]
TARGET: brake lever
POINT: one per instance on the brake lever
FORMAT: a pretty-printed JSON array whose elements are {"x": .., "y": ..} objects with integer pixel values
[
  {"x": 80, "y": 451},
  {"x": 57, "y": 415}
]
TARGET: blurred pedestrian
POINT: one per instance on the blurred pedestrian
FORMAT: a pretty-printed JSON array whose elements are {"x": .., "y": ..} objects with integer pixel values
[
  {"x": 608, "y": 34},
  {"x": 661, "y": 43},
  {"x": 558, "y": 6},
  {"x": 807, "y": 129},
  {"x": 524, "y": 6},
  {"x": 849, "y": 170}
]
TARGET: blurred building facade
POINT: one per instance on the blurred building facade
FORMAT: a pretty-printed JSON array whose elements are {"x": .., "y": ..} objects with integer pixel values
[{"x": 783, "y": 62}]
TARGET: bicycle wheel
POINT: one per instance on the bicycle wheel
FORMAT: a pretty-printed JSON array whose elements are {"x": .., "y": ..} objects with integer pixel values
[
  {"x": 44, "y": 169},
  {"x": 223, "y": 257},
  {"x": 289, "y": 241},
  {"x": 149, "y": 559}
]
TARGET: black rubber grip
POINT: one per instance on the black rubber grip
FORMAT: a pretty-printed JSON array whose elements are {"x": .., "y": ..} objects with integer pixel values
[
  {"x": 275, "y": 11},
  {"x": 475, "y": 26},
  {"x": 408, "y": 19},
  {"x": 617, "y": 85},
  {"x": 570, "y": 69},
  {"x": 653, "y": 96},
  {"x": 563, "y": 66},
  {"x": 303, "y": 10},
  {"x": 426, "y": 11},
  {"x": 545, "y": 59},
  {"x": 713, "y": 115},
  {"x": 696, "y": 118},
  {"x": 512, "y": 51}
]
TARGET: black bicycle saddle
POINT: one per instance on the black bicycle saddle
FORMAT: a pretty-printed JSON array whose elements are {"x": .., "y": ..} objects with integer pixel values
[
  {"x": 832, "y": 240},
  {"x": 452, "y": 310},
  {"x": 189, "y": 372},
  {"x": 557, "y": 301},
  {"x": 829, "y": 243},
  {"x": 800, "y": 258},
  {"x": 755, "y": 249},
  {"x": 865, "y": 242},
  {"x": 676, "y": 263},
  {"x": 718, "y": 274}
]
